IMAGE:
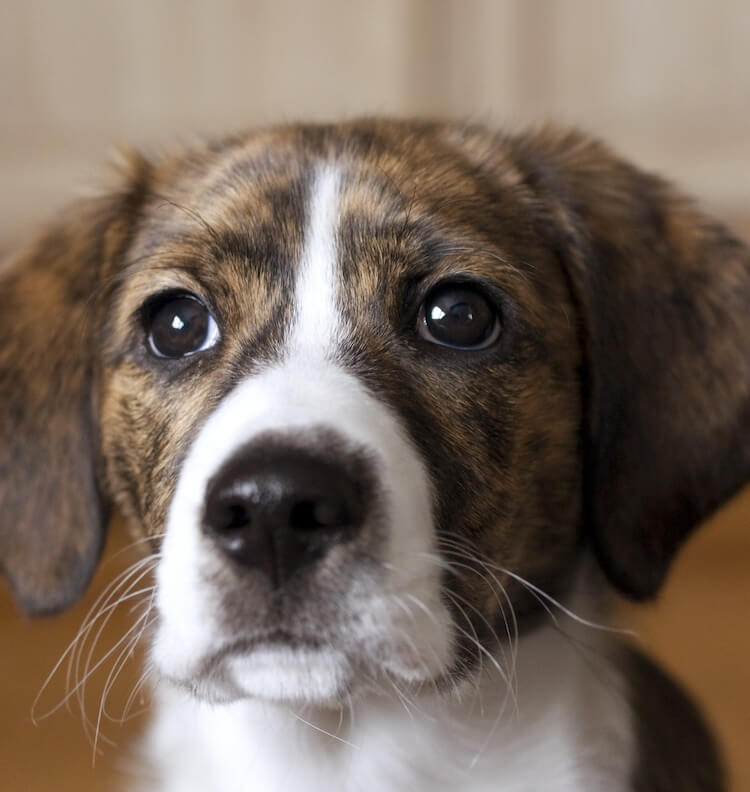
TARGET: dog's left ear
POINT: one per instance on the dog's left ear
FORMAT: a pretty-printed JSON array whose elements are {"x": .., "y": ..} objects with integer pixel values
[
  {"x": 663, "y": 295},
  {"x": 52, "y": 513}
]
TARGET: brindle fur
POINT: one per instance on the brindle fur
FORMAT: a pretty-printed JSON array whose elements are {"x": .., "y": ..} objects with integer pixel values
[{"x": 614, "y": 412}]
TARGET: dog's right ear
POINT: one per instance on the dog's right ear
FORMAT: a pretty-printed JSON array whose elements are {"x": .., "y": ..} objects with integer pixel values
[
  {"x": 662, "y": 296},
  {"x": 52, "y": 512}
]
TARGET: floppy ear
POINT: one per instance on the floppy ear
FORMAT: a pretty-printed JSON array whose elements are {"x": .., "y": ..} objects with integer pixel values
[
  {"x": 663, "y": 296},
  {"x": 52, "y": 514}
]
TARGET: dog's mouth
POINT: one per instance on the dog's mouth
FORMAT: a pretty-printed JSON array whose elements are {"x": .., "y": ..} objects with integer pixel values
[
  {"x": 281, "y": 642},
  {"x": 271, "y": 665},
  {"x": 320, "y": 651},
  {"x": 271, "y": 639}
]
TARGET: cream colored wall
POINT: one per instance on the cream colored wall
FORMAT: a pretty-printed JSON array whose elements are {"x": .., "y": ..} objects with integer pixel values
[{"x": 667, "y": 82}]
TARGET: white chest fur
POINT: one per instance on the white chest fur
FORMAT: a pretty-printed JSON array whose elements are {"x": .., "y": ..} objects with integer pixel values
[{"x": 567, "y": 728}]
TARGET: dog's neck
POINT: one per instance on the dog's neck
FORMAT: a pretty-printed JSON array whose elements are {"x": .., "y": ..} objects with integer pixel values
[{"x": 566, "y": 720}]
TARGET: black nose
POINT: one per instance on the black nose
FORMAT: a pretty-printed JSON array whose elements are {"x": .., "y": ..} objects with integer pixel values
[{"x": 279, "y": 509}]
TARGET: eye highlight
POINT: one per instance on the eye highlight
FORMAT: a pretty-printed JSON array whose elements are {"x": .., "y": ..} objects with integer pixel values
[
  {"x": 179, "y": 325},
  {"x": 460, "y": 316}
]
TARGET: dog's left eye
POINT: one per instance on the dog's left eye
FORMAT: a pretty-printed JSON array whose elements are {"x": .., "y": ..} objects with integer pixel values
[
  {"x": 459, "y": 315},
  {"x": 180, "y": 325}
]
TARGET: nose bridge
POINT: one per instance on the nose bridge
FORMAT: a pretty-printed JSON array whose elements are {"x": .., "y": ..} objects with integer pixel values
[
  {"x": 302, "y": 399},
  {"x": 308, "y": 394},
  {"x": 302, "y": 452}
]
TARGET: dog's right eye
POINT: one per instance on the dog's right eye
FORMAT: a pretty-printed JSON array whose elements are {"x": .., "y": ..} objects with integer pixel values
[{"x": 179, "y": 325}]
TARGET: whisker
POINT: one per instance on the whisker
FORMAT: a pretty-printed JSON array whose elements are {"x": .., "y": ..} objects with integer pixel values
[
  {"x": 78, "y": 690},
  {"x": 146, "y": 675},
  {"x": 512, "y": 639},
  {"x": 128, "y": 652},
  {"x": 509, "y": 676},
  {"x": 475, "y": 640},
  {"x": 119, "y": 664},
  {"x": 409, "y": 640},
  {"x": 79, "y": 656},
  {"x": 404, "y": 703},
  {"x": 105, "y": 597},
  {"x": 105, "y": 614},
  {"x": 86, "y": 626},
  {"x": 323, "y": 731},
  {"x": 531, "y": 587}
]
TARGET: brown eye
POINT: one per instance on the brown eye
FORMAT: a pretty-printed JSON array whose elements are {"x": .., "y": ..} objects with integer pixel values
[
  {"x": 180, "y": 325},
  {"x": 458, "y": 315}
]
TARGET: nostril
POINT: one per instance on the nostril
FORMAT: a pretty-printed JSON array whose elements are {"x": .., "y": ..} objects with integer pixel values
[
  {"x": 311, "y": 515},
  {"x": 236, "y": 516},
  {"x": 226, "y": 516}
]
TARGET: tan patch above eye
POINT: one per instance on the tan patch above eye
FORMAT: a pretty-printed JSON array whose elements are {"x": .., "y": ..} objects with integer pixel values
[{"x": 257, "y": 300}]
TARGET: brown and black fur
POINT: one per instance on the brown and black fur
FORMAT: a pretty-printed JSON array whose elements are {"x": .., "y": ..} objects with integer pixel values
[{"x": 614, "y": 412}]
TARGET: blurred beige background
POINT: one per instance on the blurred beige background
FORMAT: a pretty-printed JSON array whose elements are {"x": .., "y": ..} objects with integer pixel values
[{"x": 667, "y": 82}]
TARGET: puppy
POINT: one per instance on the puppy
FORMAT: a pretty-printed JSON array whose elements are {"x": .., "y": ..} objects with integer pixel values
[{"x": 396, "y": 405}]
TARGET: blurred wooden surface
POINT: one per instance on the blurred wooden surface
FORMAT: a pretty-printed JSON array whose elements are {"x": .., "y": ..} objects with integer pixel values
[
  {"x": 57, "y": 754},
  {"x": 698, "y": 629}
]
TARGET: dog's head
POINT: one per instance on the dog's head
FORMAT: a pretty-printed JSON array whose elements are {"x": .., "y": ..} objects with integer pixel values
[{"x": 358, "y": 383}]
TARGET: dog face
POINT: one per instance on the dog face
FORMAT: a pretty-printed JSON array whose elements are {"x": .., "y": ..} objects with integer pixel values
[{"x": 357, "y": 383}]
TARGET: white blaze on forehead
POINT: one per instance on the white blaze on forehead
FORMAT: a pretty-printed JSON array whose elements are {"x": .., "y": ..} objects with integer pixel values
[
  {"x": 317, "y": 324},
  {"x": 306, "y": 389}
]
